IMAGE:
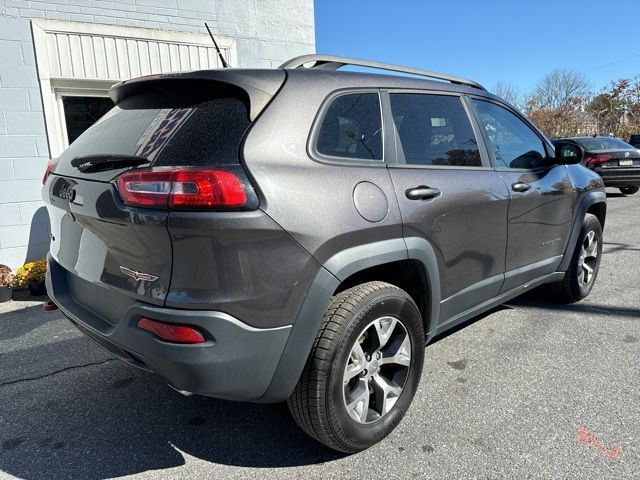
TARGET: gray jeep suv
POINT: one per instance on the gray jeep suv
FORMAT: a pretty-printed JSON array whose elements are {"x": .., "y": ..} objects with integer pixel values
[{"x": 301, "y": 233}]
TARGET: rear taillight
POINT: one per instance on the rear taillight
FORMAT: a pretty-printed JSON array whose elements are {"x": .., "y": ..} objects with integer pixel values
[
  {"x": 171, "y": 332},
  {"x": 597, "y": 159},
  {"x": 182, "y": 188},
  {"x": 51, "y": 164}
]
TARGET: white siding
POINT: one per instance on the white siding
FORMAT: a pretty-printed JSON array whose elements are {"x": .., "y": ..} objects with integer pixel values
[
  {"x": 106, "y": 57},
  {"x": 264, "y": 34}
]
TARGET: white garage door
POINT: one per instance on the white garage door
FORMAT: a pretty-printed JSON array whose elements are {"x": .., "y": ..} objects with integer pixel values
[{"x": 79, "y": 62}]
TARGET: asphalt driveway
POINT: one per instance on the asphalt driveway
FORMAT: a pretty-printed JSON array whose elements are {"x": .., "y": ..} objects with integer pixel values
[{"x": 531, "y": 389}]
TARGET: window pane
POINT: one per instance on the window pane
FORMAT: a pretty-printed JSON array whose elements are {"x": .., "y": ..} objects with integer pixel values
[
  {"x": 209, "y": 133},
  {"x": 434, "y": 130},
  {"x": 352, "y": 128},
  {"x": 600, "y": 143},
  {"x": 82, "y": 112},
  {"x": 514, "y": 144}
]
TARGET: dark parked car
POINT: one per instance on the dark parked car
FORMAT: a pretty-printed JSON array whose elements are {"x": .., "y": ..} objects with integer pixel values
[
  {"x": 301, "y": 233},
  {"x": 635, "y": 141},
  {"x": 617, "y": 162}
]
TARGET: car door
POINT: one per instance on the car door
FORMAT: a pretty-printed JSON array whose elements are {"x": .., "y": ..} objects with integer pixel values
[
  {"x": 541, "y": 208},
  {"x": 449, "y": 195}
]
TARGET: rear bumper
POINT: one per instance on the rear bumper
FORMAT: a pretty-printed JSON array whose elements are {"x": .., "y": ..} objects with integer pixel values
[
  {"x": 237, "y": 362},
  {"x": 620, "y": 177}
]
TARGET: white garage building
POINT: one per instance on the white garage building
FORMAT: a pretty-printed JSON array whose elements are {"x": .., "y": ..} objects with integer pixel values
[{"x": 58, "y": 59}]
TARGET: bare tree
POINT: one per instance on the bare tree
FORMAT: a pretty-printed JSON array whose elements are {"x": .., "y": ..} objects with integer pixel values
[
  {"x": 559, "y": 88},
  {"x": 617, "y": 108},
  {"x": 511, "y": 93}
]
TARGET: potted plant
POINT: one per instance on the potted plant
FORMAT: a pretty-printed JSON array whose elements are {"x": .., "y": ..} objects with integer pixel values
[
  {"x": 6, "y": 283},
  {"x": 31, "y": 275}
]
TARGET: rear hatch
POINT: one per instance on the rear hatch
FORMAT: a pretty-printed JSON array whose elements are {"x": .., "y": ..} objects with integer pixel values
[
  {"x": 615, "y": 159},
  {"x": 104, "y": 237},
  {"x": 609, "y": 153}
]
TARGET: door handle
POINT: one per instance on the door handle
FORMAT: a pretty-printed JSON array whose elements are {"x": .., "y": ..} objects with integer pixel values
[
  {"x": 520, "y": 187},
  {"x": 422, "y": 193}
]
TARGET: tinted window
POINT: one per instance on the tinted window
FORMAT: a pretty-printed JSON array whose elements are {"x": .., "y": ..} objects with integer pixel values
[
  {"x": 434, "y": 130},
  {"x": 352, "y": 128},
  {"x": 205, "y": 134},
  {"x": 514, "y": 143},
  {"x": 602, "y": 143}
]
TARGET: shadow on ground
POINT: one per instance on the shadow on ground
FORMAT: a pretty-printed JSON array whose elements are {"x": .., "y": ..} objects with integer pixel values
[
  {"x": 539, "y": 298},
  {"x": 71, "y": 411},
  {"x": 612, "y": 247},
  {"x": 93, "y": 417}
]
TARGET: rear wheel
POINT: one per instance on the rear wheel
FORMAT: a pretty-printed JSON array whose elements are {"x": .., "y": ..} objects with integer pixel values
[
  {"x": 585, "y": 263},
  {"x": 363, "y": 369},
  {"x": 629, "y": 190}
]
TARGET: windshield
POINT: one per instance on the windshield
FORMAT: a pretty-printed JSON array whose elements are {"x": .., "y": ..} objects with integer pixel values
[{"x": 603, "y": 143}]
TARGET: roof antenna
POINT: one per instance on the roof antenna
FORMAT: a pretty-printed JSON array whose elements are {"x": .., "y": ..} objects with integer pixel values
[{"x": 215, "y": 44}]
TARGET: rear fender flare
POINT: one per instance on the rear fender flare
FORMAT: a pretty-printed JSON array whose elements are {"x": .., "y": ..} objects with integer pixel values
[{"x": 336, "y": 269}]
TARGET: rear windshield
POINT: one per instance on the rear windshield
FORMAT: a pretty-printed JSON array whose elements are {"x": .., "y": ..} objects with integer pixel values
[
  {"x": 599, "y": 143},
  {"x": 205, "y": 134}
]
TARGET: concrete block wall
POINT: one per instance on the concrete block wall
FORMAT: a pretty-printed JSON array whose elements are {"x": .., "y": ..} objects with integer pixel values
[
  {"x": 266, "y": 33},
  {"x": 23, "y": 146}
]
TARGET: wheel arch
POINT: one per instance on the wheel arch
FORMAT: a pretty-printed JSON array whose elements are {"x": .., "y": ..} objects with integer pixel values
[
  {"x": 414, "y": 255},
  {"x": 413, "y": 259},
  {"x": 594, "y": 202},
  {"x": 407, "y": 274},
  {"x": 599, "y": 209}
]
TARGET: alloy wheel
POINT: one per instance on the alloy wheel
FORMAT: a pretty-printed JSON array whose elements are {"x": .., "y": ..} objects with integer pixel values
[
  {"x": 588, "y": 259},
  {"x": 376, "y": 370}
]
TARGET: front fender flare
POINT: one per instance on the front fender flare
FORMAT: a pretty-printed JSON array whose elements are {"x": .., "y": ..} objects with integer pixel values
[{"x": 589, "y": 199}]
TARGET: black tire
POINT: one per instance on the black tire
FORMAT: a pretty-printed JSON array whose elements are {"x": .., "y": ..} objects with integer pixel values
[
  {"x": 629, "y": 190},
  {"x": 318, "y": 403},
  {"x": 571, "y": 289}
]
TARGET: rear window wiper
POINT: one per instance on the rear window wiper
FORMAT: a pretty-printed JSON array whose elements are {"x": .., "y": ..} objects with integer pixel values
[{"x": 88, "y": 163}]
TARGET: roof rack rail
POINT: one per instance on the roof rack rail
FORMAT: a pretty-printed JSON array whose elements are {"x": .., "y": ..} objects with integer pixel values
[{"x": 331, "y": 62}]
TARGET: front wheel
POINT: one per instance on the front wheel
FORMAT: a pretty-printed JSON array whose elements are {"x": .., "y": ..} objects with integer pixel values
[
  {"x": 363, "y": 369},
  {"x": 585, "y": 263},
  {"x": 629, "y": 190}
]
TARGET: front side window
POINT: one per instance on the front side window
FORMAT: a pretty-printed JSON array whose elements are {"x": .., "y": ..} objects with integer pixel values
[
  {"x": 352, "y": 128},
  {"x": 434, "y": 130},
  {"x": 514, "y": 143}
]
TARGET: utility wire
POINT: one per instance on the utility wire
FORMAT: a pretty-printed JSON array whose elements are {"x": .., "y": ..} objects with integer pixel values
[{"x": 612, "y": 63}]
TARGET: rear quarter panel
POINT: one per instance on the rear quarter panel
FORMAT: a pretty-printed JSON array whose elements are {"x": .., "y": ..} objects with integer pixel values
[{"x": 311, "y": 200}]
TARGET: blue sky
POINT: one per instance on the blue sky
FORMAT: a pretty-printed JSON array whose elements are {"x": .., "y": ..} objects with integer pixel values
[{"x": 516, "y": 41}]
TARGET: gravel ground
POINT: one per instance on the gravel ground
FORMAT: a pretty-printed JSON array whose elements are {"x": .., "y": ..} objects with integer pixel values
[{"x": 531, "y": 389}]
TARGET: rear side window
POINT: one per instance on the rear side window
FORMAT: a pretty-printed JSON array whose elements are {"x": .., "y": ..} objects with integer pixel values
[
  {"x": 352, "y": 128},
  {"x": 434, "y": 130},
  {"x": 514, "y": 143},
  {"x": 208, "y": 133}
]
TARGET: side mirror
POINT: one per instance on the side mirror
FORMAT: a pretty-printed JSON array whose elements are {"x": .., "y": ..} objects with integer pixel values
[{"x": 568, "y": 153}]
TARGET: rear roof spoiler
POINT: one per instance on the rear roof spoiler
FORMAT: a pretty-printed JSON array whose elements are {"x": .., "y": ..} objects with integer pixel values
[{"x": 258, "y": 86}]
